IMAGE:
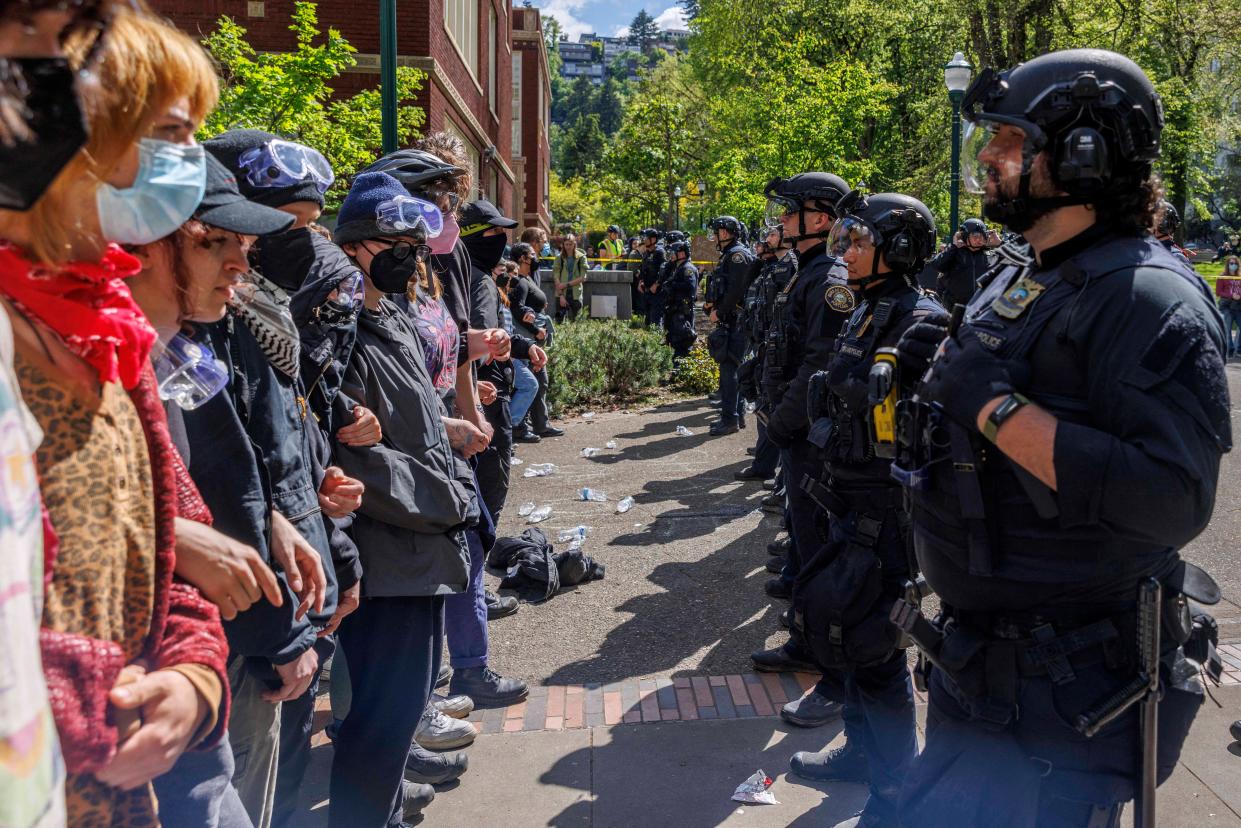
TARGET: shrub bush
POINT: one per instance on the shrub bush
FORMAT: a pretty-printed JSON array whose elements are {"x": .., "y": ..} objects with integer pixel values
[
  {"x": 597, "y": 358},
  {"x": 698, "y": 373}
]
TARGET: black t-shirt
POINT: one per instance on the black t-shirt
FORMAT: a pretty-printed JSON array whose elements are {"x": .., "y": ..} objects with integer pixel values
[{"x": 453, "y": 271}]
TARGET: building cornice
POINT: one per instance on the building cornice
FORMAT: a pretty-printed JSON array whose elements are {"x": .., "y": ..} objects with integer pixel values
[{"x": 369, "y": 64}]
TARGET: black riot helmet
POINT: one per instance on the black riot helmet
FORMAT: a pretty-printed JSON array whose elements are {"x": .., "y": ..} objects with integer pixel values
[
  {"x": 678, "y": 246},
  {"x": 650, "y": 233},
  {"x": 973, "y": 226},
  {"x": 729, "y": 223},
  {"x": 1169, "y": 219},
  {"x": 1095, "y": 112},
  {"x": 415, "y": 169},
  {"x": 806, "y": 191},
  {"x": 900, "y": 227},
  {"x": 673, "y": 236}
]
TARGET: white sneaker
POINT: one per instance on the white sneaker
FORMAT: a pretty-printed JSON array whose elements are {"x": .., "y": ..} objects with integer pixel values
[
  {"x": 439, "y": 732},
  {"x": 457, "y": 707}
]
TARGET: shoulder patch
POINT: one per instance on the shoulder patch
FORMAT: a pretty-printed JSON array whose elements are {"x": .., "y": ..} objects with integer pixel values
[
  {"x": 840, "y": 299},
  {"x": 739, "y": 258}
]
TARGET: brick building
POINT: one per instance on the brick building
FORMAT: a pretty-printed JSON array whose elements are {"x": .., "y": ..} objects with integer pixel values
[
  {"x": 465, "y": 47},
  {"x": 532, "y": 103}
]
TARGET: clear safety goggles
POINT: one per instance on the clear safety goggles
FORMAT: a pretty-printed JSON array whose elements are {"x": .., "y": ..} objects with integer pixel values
[
  {"x": 404, "y": 214},
  {"x": 849, "y": 232},
  {"x": 188, "y": 373},
  {"x": 280, "y": 163}
]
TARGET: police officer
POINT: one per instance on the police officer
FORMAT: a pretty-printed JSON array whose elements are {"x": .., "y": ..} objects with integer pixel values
[
  {"x": 845, "y": 591},
  {"x": 726, "y": 342},
  {"x": 1167, "y": 222},
  {"x": 960, "y": 264},
  {"x": 680, "y": 287},
  {"x": 1066, "y": 443},
  {"x": 799, "y": 343},
  {"x": 778, "y": 264},
  {"x": 649, "y": 271},
  {"x": 612, "y": 248}
]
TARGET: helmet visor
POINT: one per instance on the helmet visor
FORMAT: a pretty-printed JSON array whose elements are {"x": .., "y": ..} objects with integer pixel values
[
  {"x": 777, "y": 208},
  {"x": 991, "y": 150},
  {"x": 285, "y": 164},
  {"x": 406, "y": 214},
  {"x": 849, "y": 232}
]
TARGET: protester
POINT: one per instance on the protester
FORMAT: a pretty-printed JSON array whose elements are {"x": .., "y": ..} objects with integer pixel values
[
  {"x": 134, "y": 658},
  {"x": 1228, "y": 289},
  {"x": 569, "y": 274},
  {"x": 529, "y": 305}
]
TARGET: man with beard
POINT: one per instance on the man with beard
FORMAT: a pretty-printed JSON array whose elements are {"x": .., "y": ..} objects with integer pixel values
[{"x": 1067, "y": 443}]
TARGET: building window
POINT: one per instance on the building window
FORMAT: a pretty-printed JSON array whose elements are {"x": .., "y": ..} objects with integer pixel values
[
  {"x": 493, "y": 58},
  {"x": 470, "y": 152},
  {"x": 517, "y": 56},
  {"x": 461, "y": 21}
]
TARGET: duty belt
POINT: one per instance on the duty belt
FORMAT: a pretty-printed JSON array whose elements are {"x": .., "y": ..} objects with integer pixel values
[{"x": 839, "y": 502}]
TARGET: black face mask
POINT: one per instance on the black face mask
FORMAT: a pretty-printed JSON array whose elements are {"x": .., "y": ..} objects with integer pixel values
[
  {"x": 504, "y": 280},
  {"x": 390, "y": 274},
  {"x": 53, "y": 116},
  {"x": 285, "y": 258},
  {"x": 485, "y": 251}
]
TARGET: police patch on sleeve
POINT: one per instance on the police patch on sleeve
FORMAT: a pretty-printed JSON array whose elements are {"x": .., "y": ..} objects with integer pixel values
[
  {"x": 840, "y": 299},
  {"x": 739, "y": 258}
]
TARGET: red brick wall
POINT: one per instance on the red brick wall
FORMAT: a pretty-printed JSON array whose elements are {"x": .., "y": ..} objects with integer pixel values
[{"x": 420, "y": 32}]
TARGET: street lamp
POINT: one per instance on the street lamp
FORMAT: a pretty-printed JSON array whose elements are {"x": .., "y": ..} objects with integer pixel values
[
  {"x": 676, "y": 194},
  {"x": 702, "y": 202},
  {"x": 387, "y": 73},
  {"x": 957, "y": 73}
]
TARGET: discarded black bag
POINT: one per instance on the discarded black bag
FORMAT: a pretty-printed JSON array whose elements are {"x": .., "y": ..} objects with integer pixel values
[
  {"x": 537, "y": 573},
  {"x": 504, "y": 551}
]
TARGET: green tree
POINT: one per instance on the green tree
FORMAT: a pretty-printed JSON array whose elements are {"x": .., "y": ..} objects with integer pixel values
[
  {"x": 643, "y": 32},
  {"x": 573, "y": 199},
  {"x": 582, "y": 147},
  {"x": 579, "y": 100},
  {"x": 610, "y": 107},
  {"x": 289, "y": 93}
]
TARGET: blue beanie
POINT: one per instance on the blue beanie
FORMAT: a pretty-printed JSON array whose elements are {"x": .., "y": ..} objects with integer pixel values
[{"x": 356, "y": 219}]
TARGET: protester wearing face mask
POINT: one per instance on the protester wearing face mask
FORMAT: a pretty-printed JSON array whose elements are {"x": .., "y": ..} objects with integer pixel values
[
  {"x": 525, "y": 386},
  {"x": 305, "y": 266},
  {"x": 41, "y": 129},
  {"x": 410, "y": 529},
  {"x": 136, "y": 659},
  {"x": 483, "y": 233},
  {"x": 1228, "y": 290},
  {"x": 191, "y": 276}
]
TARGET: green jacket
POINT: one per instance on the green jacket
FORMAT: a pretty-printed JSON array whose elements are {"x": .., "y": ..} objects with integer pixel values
[{"x": 564, "y": 271}]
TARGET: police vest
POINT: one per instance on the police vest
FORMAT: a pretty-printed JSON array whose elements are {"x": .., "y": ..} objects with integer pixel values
[{"x": 986, "y": 514}]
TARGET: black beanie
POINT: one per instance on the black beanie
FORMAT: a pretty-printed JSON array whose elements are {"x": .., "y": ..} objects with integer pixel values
[{"x": 228, "y": 147}]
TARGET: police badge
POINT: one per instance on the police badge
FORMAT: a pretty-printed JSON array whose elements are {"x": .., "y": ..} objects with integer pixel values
[
  {"x": 1013, "y": 302},
  {"x": 840, "y": 299}
]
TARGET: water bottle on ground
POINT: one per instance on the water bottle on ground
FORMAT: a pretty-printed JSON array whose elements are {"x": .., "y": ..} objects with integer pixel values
[
  {"x": 540, "y": 514},
  {"x": 624, "y": 505},
  {"x": 592, "y": 495}
]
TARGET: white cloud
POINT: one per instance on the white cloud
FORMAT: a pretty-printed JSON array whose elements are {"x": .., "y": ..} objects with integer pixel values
[
  {"x": 621, "y": 31},
  {"x": 672, "y": 17},
  {"x": 565, "y": 12}
]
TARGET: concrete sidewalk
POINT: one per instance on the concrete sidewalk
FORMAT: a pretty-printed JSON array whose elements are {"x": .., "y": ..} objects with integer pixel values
[{"x": 644, "y": 710}]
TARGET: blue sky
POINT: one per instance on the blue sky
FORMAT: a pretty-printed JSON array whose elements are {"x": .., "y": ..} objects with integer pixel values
[{"x": 608, "y": 17}]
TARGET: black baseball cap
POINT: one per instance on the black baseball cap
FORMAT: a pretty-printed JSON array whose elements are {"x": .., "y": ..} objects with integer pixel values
[
  {"x": 477, "y": 216},
  {"x": 224, "y": 206}
]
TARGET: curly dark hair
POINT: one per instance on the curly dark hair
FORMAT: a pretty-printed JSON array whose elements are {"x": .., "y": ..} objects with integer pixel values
[{"x": 1130, "y": 204}]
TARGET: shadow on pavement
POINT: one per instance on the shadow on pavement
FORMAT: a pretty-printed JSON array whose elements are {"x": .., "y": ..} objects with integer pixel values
[{"x": 684, "y": 774}]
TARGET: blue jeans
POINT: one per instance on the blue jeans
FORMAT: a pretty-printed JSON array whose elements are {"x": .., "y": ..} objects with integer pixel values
[
  {"x": 199, "y": 791},
  {"x": 525, "y": 389},
  {"x": 1233, "y": 317},
  {"x": 465, "y": 613}
]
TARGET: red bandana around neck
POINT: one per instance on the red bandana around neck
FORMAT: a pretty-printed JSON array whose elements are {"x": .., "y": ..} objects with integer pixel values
[{"x": 88, "y": 305}]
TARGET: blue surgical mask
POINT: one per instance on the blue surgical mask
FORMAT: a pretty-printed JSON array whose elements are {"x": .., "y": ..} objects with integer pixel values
[{"x": 167, "y": 190}]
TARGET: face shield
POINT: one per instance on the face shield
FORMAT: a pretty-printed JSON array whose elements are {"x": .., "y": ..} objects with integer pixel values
[
  {"x": 848, "y": 233},
  {"x": 991, "y": 150},
  {"x": 778, "y": 208}
]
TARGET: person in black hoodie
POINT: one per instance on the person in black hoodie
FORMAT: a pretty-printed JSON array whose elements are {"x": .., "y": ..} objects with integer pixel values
[
  {"x": 529, "y": 306},
  {"x": 325, "y": 291}
]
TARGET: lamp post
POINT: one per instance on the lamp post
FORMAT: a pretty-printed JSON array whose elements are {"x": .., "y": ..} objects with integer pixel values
[
  {"x": 387, "y": 73},
  {"x": 957, "y": 73},
  {"x": 702, "y": 202},
  {"x": 676, "y": 194}
]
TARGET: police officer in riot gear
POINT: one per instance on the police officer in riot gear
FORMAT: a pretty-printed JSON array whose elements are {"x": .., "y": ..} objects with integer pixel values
[
  {"x": 1065, "y": 443},
  {"x": 1167, "y": 222},
  {"x": 680, "y": 287},
  {"x": 778, "y": 264},
  {"x": 845, "y": 590},
  {"x": 799, "y": 342},
  {"x": 649, "y": 271},
  {"x": 960, "y": 265},
  {"x": 725, "y": 287}
]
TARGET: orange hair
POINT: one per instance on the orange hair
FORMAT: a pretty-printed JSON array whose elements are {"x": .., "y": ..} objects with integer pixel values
[{"x": 146, "y": 65}]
